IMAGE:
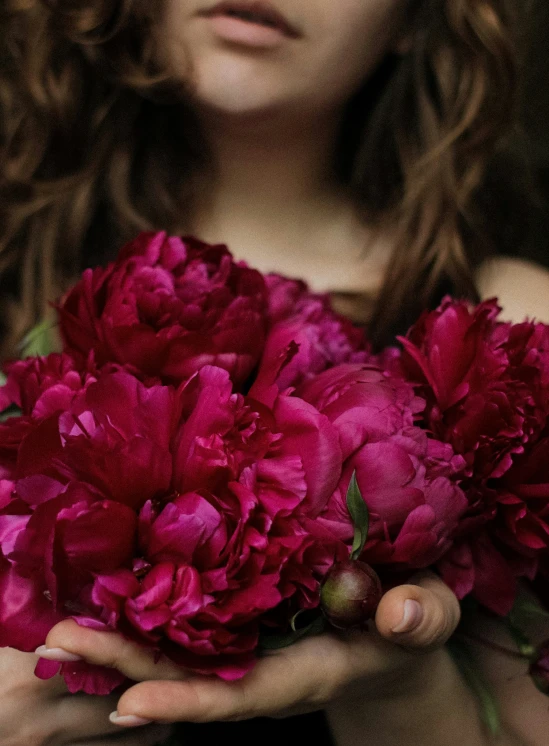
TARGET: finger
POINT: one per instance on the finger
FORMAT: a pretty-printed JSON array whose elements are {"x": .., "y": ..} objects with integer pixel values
[
  {"x": 305, "y": 676},
  {"x": 298, "y": 679},
  {"x": 421, "y": 615},
  {"x": 107, "y": 649}
]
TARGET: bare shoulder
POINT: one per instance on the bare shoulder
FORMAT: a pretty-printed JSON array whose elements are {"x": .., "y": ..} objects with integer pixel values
[{"x": 521, "y": 286}]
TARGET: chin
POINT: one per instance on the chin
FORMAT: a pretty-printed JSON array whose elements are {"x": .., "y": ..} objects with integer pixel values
[
  {"x": 237, "y": 86},
  {"x": 235, "y": 106}
]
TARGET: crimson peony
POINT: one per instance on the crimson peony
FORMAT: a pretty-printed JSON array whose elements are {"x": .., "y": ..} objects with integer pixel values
[
  {"x": 486, "y": 384},
  {"x": 167, "y": 307}
]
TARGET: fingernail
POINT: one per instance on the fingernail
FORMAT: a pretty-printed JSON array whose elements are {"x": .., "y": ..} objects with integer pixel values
[
  {"x": 129, "y": 721},
  {"x": 57, "y": 654},
  {"x": 413, "y": 614}
]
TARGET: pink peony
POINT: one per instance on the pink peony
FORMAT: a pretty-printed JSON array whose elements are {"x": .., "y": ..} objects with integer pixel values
[
  {"x": 167, "y": 307},
  {"x": 404, "y": 476}
]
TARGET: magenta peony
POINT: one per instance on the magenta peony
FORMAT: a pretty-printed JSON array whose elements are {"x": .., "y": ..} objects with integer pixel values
[
  {"x": 178, "y": 517},
  {"x": 40, "y": 386},
  {"x": 323, "y": 338},
  {"x": 167, "y": 307},
  {"x": 404, "y": 476},
  {"x": 179, "y": 473}
]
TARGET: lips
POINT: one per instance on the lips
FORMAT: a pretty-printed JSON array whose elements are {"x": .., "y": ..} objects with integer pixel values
[{"x": 253, "y": 12}]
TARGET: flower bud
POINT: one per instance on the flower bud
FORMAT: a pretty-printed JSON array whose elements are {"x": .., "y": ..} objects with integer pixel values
[
  {"x": 539, "y": 668},
  {"x": 350, "y": 594}
]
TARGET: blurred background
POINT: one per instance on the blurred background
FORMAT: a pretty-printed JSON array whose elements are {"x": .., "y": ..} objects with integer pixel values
[{"x": 532, "y": 141}]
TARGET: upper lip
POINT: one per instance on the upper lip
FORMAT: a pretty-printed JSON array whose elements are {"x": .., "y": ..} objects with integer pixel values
[{"x": 262, "y": 9}]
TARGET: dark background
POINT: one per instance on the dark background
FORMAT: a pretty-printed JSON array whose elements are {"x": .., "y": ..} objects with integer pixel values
[{"x": 531, "y": 144}]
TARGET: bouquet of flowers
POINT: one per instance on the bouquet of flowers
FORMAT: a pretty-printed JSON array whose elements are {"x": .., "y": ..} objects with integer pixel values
[{"x": 216, "y": 463}]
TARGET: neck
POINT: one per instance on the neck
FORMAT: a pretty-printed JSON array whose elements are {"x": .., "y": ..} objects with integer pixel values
[{"x": 267, "y": 170}]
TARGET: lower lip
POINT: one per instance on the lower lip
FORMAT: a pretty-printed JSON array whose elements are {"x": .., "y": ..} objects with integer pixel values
[{"x": 245, "y": 33}]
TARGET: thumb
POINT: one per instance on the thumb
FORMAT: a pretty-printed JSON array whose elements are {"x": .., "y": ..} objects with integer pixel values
[{"x": 420, "y": 615}]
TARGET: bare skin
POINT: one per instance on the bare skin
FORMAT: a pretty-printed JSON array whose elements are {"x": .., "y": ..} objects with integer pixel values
[{"x": 43, "y": 713}]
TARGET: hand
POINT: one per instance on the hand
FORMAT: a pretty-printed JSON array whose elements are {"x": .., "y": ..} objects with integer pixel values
[
  {"x": 301, "y": 678},
  {"x": 35, "y": 712}
]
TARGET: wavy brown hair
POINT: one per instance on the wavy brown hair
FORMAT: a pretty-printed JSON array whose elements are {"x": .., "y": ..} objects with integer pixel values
[{"x": 92, "y": 148}]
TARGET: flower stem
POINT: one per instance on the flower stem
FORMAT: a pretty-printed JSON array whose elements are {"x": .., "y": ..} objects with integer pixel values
[{"x": 493, "y": 645}]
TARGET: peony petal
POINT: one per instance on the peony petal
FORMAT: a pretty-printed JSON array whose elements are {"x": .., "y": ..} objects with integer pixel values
[
  {"x": 26, "y": 615},
  {"x": 310, "y": 435}
]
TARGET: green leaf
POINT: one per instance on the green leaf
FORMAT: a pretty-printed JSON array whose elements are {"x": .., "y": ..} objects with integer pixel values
[
  {"x": 277, "y": 642},
  {"x": 361, "y": 517},
  {"x": 488, "y": 704},
  {"x": 526, "y": 608},
  {"x": 40, "y": 341},
  {"x": 11, "y": 411}
]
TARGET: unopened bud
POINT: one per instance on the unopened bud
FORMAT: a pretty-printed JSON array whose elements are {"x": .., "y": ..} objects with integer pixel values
[{"x": 350, "y": 594}]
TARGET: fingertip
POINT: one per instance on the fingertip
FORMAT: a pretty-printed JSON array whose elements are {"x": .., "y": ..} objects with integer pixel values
[
  {"x": 65, "y": 624},
  {"x": 418, "y": 617},
  {"x": 57, "y": 655},
  {"x": 63, "y": 631},
  {"x": 394, "y": 611},
  {"x": 127, "y": 721},
  {"x": 148, "y": 699},
  {"x": 411, "y": 617}
]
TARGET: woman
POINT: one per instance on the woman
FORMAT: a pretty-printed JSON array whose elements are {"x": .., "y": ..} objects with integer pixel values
[{"x": 345, "y": 143}]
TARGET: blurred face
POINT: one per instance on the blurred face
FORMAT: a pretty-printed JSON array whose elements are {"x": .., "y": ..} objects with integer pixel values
[{"x": 246, "y": 57}]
